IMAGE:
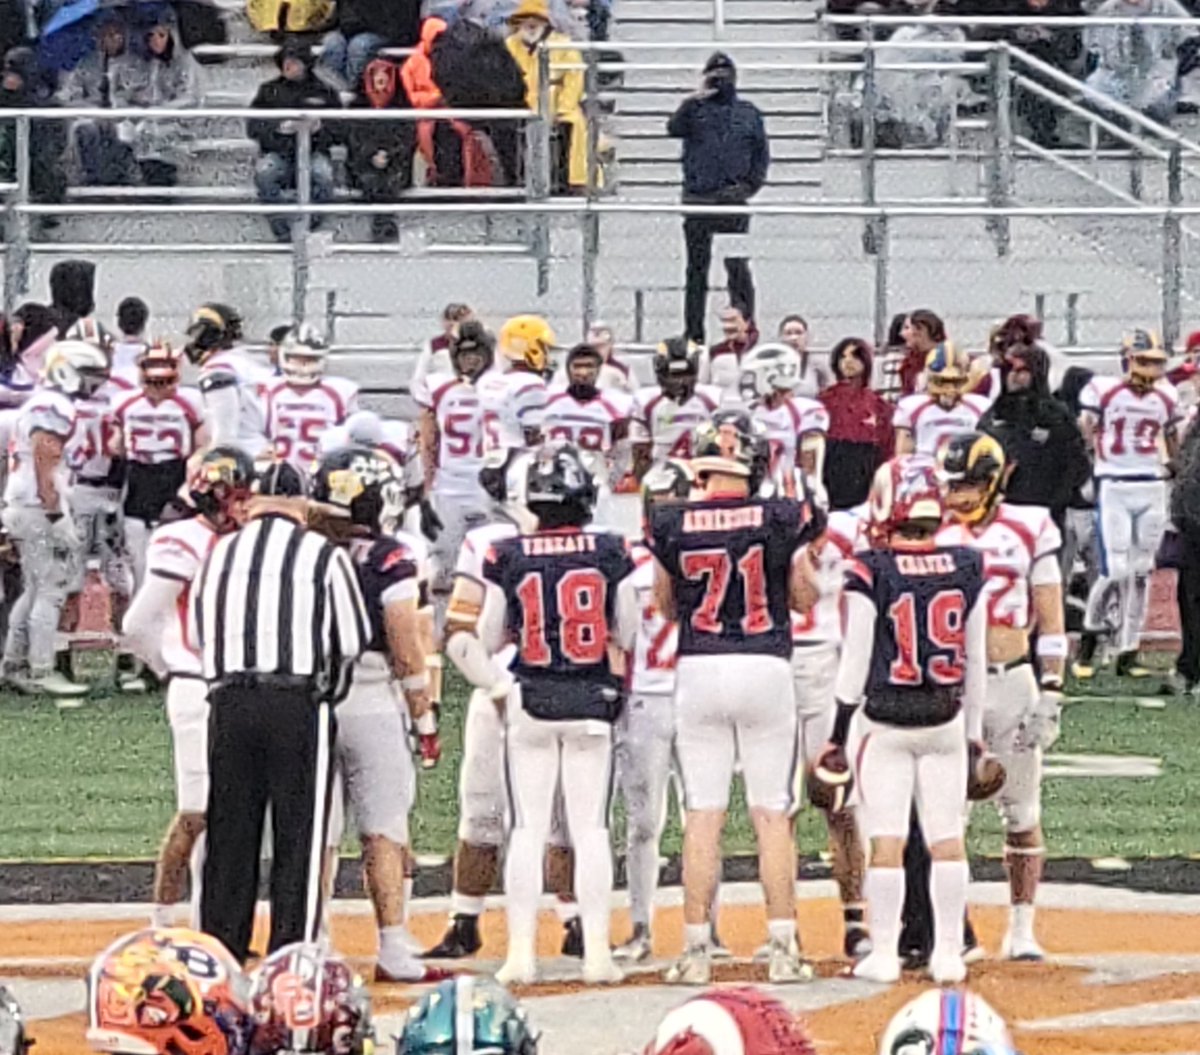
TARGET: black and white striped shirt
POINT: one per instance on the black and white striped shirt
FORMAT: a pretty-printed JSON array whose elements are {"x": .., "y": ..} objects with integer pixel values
[{"x": 275, "y": 599}]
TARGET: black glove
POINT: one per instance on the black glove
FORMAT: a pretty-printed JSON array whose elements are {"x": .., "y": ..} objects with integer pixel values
[{"x": 431, "y": 523}]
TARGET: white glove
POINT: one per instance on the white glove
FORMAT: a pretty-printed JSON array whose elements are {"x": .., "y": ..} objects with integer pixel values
[
  {"x": 63, "y": 533},
  {"x": 1042, "y": 727}
]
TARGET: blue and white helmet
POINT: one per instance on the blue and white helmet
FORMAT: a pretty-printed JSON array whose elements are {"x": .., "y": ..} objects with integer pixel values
[{"x": 943, "y": 1020}]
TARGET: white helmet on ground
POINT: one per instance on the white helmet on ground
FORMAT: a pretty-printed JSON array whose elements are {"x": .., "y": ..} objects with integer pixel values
[
  {"x": 76, "y": 368},
  {"x": 768, "y": 368},
  {"x": 946, "y": 1020},
  {"x": 302, "y": 355}
]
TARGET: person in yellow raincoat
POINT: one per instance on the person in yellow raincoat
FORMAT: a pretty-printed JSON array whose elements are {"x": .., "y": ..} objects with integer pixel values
[{"x": 530, "y": 29}]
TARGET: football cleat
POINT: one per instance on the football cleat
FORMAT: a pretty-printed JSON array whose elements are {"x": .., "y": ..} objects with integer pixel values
[
  {"x": 461, "y": 939},
  {"x": 1129, "y": 667},
  {"x": 519, "y": 971},
  {"x": 601, "y": 970},
  {"x": 68, "y": 693},
  {"x": 1083, "y": 671},
  {"x": 881, "y": 966},
  {"x": 785, "y": 964},
  {"x": 572, "y": 943},
  {"x": 947, "y": 970},
  {"x": 1022, "y": 948},
  {"x": 717, "y": 949},
  {"x": 431, "y": 749},
  {"x": 694, "y": 967},
  {"x": 637, "y": 948}
]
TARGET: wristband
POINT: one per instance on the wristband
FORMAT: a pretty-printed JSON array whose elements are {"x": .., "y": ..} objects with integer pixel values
[
  {"x": 415, "y": 683},
  {"x": 841, "y": 723},
  {"x": 1052, "y": 646}
]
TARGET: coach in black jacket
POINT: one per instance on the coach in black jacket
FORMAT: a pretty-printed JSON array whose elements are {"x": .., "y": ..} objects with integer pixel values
[
  {"x": 725, "y": 161},
  {"x": 1185, "y": 515}
]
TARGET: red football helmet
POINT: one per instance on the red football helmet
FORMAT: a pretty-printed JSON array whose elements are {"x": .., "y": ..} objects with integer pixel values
[
  {"x": 905, "y": 490},
  {"x": 731, "y": 1022}
]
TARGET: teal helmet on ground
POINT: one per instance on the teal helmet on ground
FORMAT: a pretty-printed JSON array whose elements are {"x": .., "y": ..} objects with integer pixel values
[{"x": 467, "y": 1015}]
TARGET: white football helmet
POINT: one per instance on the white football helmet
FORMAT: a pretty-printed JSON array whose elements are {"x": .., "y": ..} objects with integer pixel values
[
  {"x": 768, "y": 368},
  {"x": 76, "y": 368},
  {"x": 302, "y": 355},
  {"x": 946, "y": 1020}
]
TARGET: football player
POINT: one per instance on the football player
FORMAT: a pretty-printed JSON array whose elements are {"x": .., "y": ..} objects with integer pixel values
[
  {"x": 469, "y": 1016},
  {"x": 434, "y": 357},
  {"x": 231, "y": 383},
  {"x": 513, "y": 391},
  {"x": 795, "y": 426},
  {"x": 665, "y": 417},
  {"x": 363, "y": 487},
  {"x": 566, "y": 596},
  {"x": 727, "y": 572},
  {"x": 157, "y": 429},
  {"x": 1022, "y": 590},
  {"x": 155, "y": 629},
  {"x": 645, "y": 732},
  {"x": 614, "y": 374},
  {"x": 303, "y": 403},
  {"x": 38, "y": 518},
  {"x": 13, "y": 1040},
  {"x": 131, "y": 343},
  {"x": 1131, "y": 422},
  {"x": 923, "y": 681},
  {"x": 943, "y": 1020},
  {"x": 725, "y": 1021},
  {"x": 923, "y": 420}
]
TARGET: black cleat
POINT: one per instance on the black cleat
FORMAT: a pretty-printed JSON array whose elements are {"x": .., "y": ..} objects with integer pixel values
[
  {"x": 573, "y": 938},
  {"x": 461, "y": 939}
]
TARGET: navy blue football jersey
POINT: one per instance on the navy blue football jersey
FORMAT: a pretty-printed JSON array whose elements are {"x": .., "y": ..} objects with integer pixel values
[
  {"x": 561, "y": 588},
  {"x": 922, "y": 600},
  {"x": 729, "y": 562},
  {"x": 382, "y": 564}
]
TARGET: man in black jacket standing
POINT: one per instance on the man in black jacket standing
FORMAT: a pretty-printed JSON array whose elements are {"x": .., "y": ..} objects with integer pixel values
[
  {"x": 1185, "y": 515},
  {"x": 725, "y": 160}
]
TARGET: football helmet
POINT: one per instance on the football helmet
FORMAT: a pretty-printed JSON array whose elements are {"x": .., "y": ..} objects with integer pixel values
[
  {"x": 497, "y": 1022},
  {"x": 220, "y": 480},
  {"x": 677, "y": 366},
  {"x": 527, "y": 340},
  {"x": 214, "y": 327},
  {"x": 1143, "y": 358},
  {"x": 472, "y": 351},
  {"x": 504, "y": 477},
  {"x": 558, "y": 479},
  {"x": 905, "y": 492},
  {"x": 76, "y": 368},
  {"x": 158, "y": 366},
  {"x": 741, "y": 1021},
  {"x": 91, "y": 331},
  {"x": 277, "y": 478},
  {"x": 306, "y": 1001},
  {"x": 726, "y": 444},
  {"x": 971, "y": 466},
  {"x": 665, "y": 482},
  {"x": 946, "y": 1020},
  {"x": 365, "y": 484},
  {"x": 946, "y": 373},
  {"x": 13, "y": 1040},
  {"x": 769, "y": 368},
  {"x": 302, "y": 355},
  {"x": 167, "y": 992}
]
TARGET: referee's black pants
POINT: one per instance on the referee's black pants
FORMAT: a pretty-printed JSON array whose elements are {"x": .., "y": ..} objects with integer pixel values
[{"x": 266, "y": 744}]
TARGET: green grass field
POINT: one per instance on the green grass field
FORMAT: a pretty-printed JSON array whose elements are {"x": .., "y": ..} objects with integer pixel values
[{"x": 97, "y": 783}]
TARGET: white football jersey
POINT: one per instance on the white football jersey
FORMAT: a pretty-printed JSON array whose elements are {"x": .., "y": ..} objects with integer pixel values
[
  {"x": 297, "y": 415},
  {"x": 513, "y": 401},
  {"x": 590, "y": 426},
  {"x": 822, "y": 624},
  {"x": 458, "y": 412},
  {"x": 666, "y": 425},
  {"x": 47, "y": 410},
  {"x": 475, "y": 547},
  {"x": 1020, "y": 547},
  {"x": 656, "y": 647},
  {"x": 930, "y": 423},
  {"x": 156, "y": 432},
  {"x": 783, "y": 426},
  {"x": 1129, "y": 426},
  {"x": 244, "y": 426},
  {"x": 176, "y": 551}
]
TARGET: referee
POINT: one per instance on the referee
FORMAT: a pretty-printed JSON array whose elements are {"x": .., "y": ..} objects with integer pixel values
[{"x": 279, "y": 619}]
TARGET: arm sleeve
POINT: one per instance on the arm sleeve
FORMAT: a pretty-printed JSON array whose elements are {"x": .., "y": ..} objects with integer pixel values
[
  {"x": 628, "y": 613},
  {"x": 222, "y": 408},
  {"x": 152, "y": 607},
  {"x": 679, "y": 124},
  {"x": 855, "y": 663},
  {"x": 975, "y": 683}
]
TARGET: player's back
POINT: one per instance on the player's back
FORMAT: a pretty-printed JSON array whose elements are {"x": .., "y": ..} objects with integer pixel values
[
  {"x": 514, "y": 401},
  {"x": 922, "y": 599},
  {"x": 387, "y": 572},
  {"x": 176, "y": 551},
  {"x": 234, "y": 368}
]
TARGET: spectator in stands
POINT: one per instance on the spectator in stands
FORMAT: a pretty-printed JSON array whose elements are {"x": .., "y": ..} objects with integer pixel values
[
  {"x": 19, "y": 88},
  {"x": 365, "y": 26},
  {"x": 1138, "y": 65},
  {"x": 72, "y": 293},
  {"x": 860, "y": 436},
  {"x": 530, "y": 30},
  {"x": 14, "y": 27},
  {"x": 98, "y": 81},
  {"x": 725, "y": 161},
  {"x": 381, "y": 152},
  {"x": 814, "y": 375},
  {"x": 441, "y": 143},
  {"x": 721, "y": 364},
  {"x": 296, "y": 88},
  {"x": 132, "y": 318},
  {"x": 922, "y": 331}
]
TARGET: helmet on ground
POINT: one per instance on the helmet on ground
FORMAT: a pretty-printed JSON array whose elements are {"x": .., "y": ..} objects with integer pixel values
[
  {"x": 213, "y": 327},
  {"x": 728, "y": 444},
  {"x": 558, "y": 485},
  {"x": 302, "y": 355},
  {"x": 946, "y": 1020},
  {"x": 158, "y": 365},
  {"x": 527, "y": 339},
  {"x": 505, "y": 478},
  {"x": 167, "y": 992},
  {"x": 947, "y": 370},
  {"x": 676, "y": 364},
  {"x": 472, "y": 350},
  {"x": 76, "y": 368},
  {"x": 306, "y": 1001},
  {"x": 13, "y": 1040},
  {"x": 904, "y": 493},
  {"x": 971, "y": 466},
  {"x": 1143, "y": 358},
  {"x": 769, "y": 368},
  {"x": 365, "y": 484},
  {"x": 221, "y": 479},
  {"x": 665, "y": 482},
  {"x": 740, "y": 1021},
  {"x": 92, "y": 331},
  {"x": 496, "y": 1022}
]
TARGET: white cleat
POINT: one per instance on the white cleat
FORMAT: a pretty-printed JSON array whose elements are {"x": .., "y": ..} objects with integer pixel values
[
  {"x": 947, "y": 970},
  {"x": 636, "y": 950},
  {"x": 694, "y": 967},
  {"x": 68, "y": 693},
  {"x": 602, "y": 971},
  {"x": 517, "y": 972},
  {"x": 785, "y": 964},
  {"x": 879, "y": 967},
  {"x": 1024, "y": 949}
]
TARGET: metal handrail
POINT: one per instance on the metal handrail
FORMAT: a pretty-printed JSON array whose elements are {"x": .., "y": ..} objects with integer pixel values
[
  {"x": 973, "y": 21},
  {"x": 201, "y": 113}
]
